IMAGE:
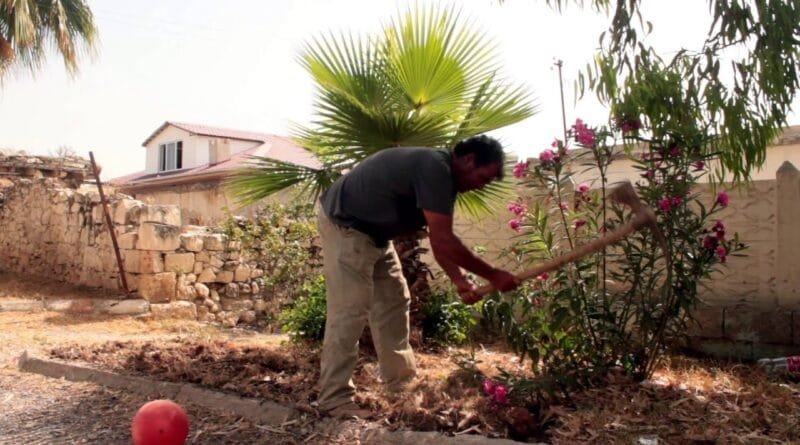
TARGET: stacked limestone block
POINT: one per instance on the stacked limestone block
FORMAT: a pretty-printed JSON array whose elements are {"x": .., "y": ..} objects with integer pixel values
[{"x": 186, "y": 268}]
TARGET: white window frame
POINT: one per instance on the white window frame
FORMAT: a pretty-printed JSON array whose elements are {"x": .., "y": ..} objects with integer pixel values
[{"x": 170, "y": 156}]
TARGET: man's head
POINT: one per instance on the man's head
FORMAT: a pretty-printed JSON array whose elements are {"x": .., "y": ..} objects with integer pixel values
[{"x": 477, "y": 161}]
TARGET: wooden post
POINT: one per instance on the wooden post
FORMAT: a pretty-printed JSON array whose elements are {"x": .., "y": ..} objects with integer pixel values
[{"x": 110, "y": 225}]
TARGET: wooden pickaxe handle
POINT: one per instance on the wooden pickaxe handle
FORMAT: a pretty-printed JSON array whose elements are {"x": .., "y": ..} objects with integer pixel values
[{"x": 644, "y": 218}]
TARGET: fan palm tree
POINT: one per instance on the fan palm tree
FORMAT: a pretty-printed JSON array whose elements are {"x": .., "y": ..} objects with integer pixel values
[
  {"x": 29, "y": 27},
  {"x": 428, "y": 80}
]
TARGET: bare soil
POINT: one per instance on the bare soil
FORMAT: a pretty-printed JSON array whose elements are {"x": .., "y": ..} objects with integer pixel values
[
  {"x": 40, "y": 410},
  {"x": 687, "y": 401}
]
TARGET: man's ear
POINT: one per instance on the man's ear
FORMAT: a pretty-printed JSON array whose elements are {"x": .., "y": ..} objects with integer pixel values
[{"x": 468, "y": 160}]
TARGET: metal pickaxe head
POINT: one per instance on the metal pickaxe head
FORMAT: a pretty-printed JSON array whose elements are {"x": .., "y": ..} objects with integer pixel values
[{"x": 643, "y": 215}]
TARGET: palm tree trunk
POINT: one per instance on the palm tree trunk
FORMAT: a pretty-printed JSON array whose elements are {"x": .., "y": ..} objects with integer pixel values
[{"x": 6, "y": 51}]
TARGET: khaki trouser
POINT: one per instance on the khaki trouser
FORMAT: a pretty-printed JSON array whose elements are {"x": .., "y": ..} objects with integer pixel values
[{"x": 364, "y": 283}]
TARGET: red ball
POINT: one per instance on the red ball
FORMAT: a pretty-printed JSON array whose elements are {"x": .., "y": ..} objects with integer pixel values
[{"x": 160, "y": 422}]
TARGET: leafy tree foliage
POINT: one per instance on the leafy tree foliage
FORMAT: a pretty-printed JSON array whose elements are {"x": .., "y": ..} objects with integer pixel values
[{"x": 739, "y": 85}]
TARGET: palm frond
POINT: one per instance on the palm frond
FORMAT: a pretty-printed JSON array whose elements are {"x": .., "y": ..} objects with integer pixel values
[
  {"x": 28, "y": 27},
  {"x": 494, "y": 105},
  {"x": 348, "y": 67},
  {"x": 485, "y": 201},
  {"x": 265, "y": 176},
  {"x": 435, "y": 59}
]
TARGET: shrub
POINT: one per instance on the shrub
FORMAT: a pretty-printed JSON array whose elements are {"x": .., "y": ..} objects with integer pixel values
[
  {"x": 571, "y": 324},
  {"x": 281, "y": 239},
  {"x": 446, "y": 320},
  {"x": 304, "y": 320}
]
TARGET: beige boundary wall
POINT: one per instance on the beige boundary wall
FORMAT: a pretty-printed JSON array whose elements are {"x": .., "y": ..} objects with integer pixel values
[
  {"x": 52, "y": 229},
  {"x": 755, "y": 298}
]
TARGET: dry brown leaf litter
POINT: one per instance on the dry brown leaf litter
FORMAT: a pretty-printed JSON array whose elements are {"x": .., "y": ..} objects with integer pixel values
[{"x": 687, "y": 401}]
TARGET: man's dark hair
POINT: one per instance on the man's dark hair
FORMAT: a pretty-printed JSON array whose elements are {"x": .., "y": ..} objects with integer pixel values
[{"x": 486, "y": 150}]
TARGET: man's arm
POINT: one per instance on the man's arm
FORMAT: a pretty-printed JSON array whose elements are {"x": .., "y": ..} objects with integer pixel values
[{"x": 452, "y": 254}]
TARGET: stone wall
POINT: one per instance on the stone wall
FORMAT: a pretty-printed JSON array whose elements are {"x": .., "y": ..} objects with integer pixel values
[
  {"x": 205, "y": 203},
  {"x": 53, "y": 227}
]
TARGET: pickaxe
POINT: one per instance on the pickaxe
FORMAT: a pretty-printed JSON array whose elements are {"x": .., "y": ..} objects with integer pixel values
[{"x": 643, "y": 217}]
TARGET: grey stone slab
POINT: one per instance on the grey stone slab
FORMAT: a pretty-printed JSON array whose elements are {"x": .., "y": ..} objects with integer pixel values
[
  {"x": 381, "y": 436},
  {"x": 20, "y": 305},
  {"x": 251, "y": 409},
  {"x": 135, "y": 306}
]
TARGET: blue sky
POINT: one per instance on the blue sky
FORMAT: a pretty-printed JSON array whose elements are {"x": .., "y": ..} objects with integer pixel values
[{"x": 233, "y": 64}]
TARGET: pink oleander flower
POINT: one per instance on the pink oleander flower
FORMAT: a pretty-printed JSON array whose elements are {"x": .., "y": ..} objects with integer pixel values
[
  {"x": 547, "y": 156},
  {"x": 722, "y": 252},
  {"x": 516, "y": 208},
  {"x": 579, "y": 223},
  {"x": 543, "y": 276},
  {"x": 649, "y": 174},
  {"x": 629, "y": 125},
  {"x": 500, "y": 394},
  {"x": 644, "y": 156},
  {"x": 514, "y": 223},
  {"x": 488, "y": 387},
  {"x": 723, "y": 199},
  {"x": 676, "y": 201},
  {"x": 564, "y": 206},
  {"x": 556, "y": 143},
  {"x": 710, "y": 242},
  {"x": 583, "y": 134},
  {"x": 699, "y": 166},
  {"x": 675, "y": 152},
  {"x": 719, "y": 229},
  {"x": 520, "y": 170},
  {"x": 583, "y": 188},
  {"x": 665, "y": 205}
]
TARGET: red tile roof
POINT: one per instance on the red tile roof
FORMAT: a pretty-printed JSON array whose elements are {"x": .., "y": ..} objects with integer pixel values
[
  {"x": 273, "y": 147},
  {"x": 205, "y": 130}
]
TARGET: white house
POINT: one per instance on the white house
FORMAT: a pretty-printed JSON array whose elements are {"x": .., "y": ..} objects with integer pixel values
[{"x": 185, "y": 165}]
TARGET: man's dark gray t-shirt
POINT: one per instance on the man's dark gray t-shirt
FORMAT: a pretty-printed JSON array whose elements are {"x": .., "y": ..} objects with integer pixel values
[{"x": 384, "y": 195}]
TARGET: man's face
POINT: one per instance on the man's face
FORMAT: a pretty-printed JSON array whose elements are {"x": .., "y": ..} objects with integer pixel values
[{"x": 469, "y": 177}]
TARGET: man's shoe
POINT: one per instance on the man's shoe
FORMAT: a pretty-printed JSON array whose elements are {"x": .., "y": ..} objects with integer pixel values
[
  {"x": 401, "y": 386},
  {"x": 350, "y": 410}
]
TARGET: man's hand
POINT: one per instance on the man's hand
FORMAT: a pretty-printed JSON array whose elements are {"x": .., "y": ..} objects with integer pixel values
[
  {"x": 466, "y": 290},
  {"x": 503, "y": 281}
]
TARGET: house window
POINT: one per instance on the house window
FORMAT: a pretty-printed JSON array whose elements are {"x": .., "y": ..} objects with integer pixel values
[{"x": 170, "y": 156}]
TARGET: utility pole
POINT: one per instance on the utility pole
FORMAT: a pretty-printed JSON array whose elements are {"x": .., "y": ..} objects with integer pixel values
[{"x": 559, "y": 63}]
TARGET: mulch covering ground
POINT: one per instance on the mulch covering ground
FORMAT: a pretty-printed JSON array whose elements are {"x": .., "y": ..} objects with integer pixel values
[{"x": 686, "y": 401}]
